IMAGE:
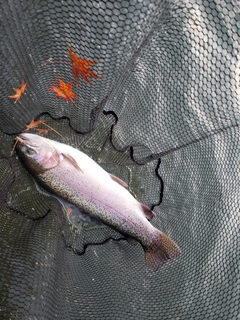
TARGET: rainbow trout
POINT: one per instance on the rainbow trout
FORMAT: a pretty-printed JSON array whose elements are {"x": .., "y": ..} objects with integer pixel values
[{"x": 75, "y": 177}]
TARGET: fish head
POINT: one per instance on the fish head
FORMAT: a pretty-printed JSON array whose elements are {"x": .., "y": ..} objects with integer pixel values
[{"x": 37, "y": 153}]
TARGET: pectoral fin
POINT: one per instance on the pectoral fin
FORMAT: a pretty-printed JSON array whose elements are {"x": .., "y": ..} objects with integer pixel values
[
  {"x": 74, "y": 214},
  {"x": 118, "y": 180},
  {"x": 72, "y": 161}
]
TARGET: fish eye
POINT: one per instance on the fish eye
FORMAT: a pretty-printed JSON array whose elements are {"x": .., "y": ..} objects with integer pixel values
[{"x": 30, "y": 151}]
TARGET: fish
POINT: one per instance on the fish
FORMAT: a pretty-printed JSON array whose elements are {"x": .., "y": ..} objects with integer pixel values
[{"x": 75, "y": 177}]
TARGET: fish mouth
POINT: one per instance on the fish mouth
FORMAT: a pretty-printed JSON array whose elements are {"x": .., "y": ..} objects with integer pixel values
[
  {"x": 25, "y": 141},
  {"x": 22, "y": 139}
]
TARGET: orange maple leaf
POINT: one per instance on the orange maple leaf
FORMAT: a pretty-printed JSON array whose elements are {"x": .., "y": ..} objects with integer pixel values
[
  {"x": 33, "y": 124},
  {"x": 63, "y": 90},
  {"x": 44, "y": 131},
  {"x": 19, "y": 92},
  {"x": 81, "y": 66}
]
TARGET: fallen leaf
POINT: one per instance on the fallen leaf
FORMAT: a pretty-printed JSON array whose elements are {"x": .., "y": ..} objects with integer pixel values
[
  {"x": 19, "y": 92},
  {"x": 33, "y": 124},
  {"x": 81, "y": 66},
  {"x": 39, "y": 130},
  {"x": 63, "y": 90}
]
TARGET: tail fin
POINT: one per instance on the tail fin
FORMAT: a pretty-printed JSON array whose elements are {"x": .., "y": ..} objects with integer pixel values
[{"x": 156, "y": 255}]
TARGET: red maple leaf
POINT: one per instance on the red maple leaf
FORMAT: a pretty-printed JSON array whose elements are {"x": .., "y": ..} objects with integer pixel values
[
  {"x": 19, "y": 92},
  {"x": 63, "y": 90},
  {"x": 81, "y": 66}
]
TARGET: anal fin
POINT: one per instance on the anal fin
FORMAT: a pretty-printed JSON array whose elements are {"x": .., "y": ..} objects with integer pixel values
[
  {"x": 149, "y": 214},
  {"x": 131, "y": 241}
]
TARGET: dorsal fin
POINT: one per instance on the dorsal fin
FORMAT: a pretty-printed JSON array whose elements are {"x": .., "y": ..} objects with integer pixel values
[
  {"x": 72, "y": 161},
  {"x": 118, "y": 180},
  {"x": 149, "y": 214}
]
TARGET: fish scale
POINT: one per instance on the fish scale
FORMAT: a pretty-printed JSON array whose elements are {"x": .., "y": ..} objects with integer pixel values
[{"x": 51, "y": 181}]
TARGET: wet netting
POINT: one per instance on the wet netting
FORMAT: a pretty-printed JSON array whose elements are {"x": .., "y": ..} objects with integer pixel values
[{"x": 161, "y": 113}]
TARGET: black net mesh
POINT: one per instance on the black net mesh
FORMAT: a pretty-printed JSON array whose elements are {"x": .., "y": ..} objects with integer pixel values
[{"x": 164, "y": 118}]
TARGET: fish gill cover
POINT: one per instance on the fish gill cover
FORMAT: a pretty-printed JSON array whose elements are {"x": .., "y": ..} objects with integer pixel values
[{"x": 161, "y": 111}]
